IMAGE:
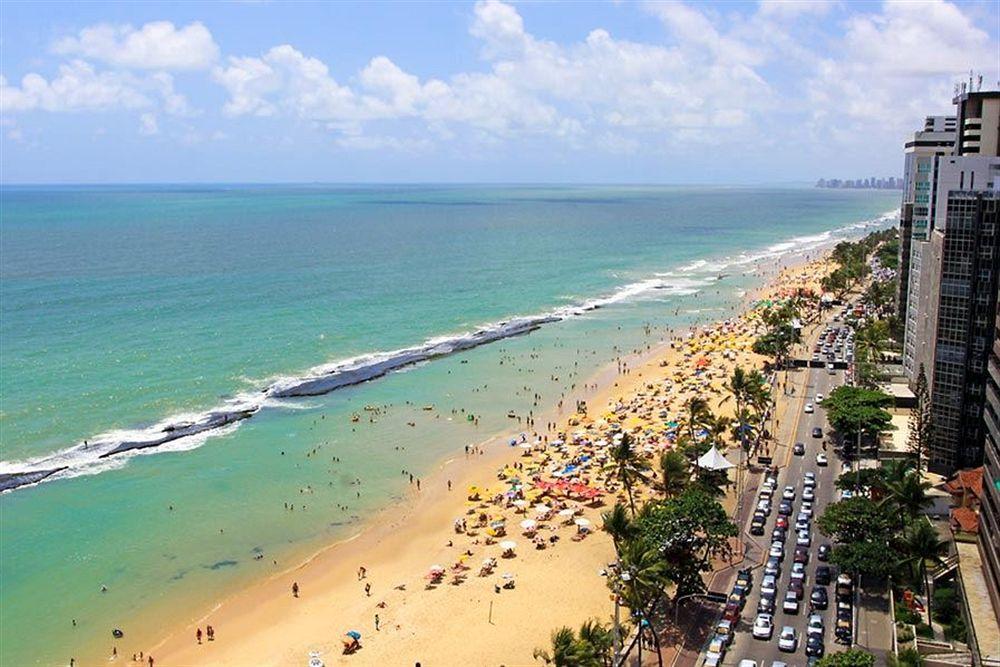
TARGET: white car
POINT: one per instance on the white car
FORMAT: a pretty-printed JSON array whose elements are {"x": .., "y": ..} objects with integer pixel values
[
  {"x": 802, "y": 524},
  {"x": 764, "y": 506},
  {"x": 803, "y": 539},
  {"x": 791, "y": 603},
  {"x": 788, "y": 640},
  {"x": 763, "y": 626},
  {"x": 768, "y": 584},
  {"x": 821, "y": 459},
  {"x": 716, "y": 648},
  {"x": 819, "y": 398},
  {"x": 806, "y": 510},
  {"x": 846, "y": 494},
  {"x": 798, "y": 571},
  {"x": 809, "y": 408},
  {"x": 809, "y": 479},
  {"x": 777, "y": 550},
  {"x": 815, "y": 626},
  {"x": 808, "y": 494},
  {"x": 748, "y": 663},
  {"x": 788, "y": 493}
]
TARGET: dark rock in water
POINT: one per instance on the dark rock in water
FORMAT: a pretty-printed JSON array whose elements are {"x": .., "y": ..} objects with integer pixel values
[
  {"x": 176, "y": 431},
  {"x": 13, "y": 480},
  {"x": 221, "y": 564}
]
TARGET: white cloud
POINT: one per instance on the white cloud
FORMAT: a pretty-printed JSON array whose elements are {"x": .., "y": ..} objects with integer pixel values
[
  {"x": 894, "y": 67},
  {"x": 156, "y": 45},
  {"x": 148, "y": 125},
  {"x": 77, "y": 86},
  {"x": 794, "y": 8}
]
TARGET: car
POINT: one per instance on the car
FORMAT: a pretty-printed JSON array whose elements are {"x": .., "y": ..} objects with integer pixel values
[
  {"x": 846, "y": 494},
  {"x": 716, "y": 649},
  {"x": 795, "y": 585},
  {"x": 765, "y": 493},
  {"x": 823, "y": 553},
  {"x": 802, "y": 524},
  {"x": 842, "y": 631},
  {"x": 803, "y": 539},
  {"x": 819, "y": 597},
  {"x": 817, "y": 432},
  {"x": 798, "y": 571},
  {"x": 819, "y": 398},
  {"x": 777, "y": 550},
  {"x": 765, "y": 605},
  {"x": 844, "y": 584},
  {"x": 814, "y": 646},
  {"x": 821, "y": 459},
  {"x": 788, "y": 493},
  {"x": 757, "y": 527},
  {"x": 768, "y": 584},
  {"x": 778, "y": 663},
  {"x": 785, "y": 509},
  {"x": 724, "y": 630},
  {"x": 823, "y": 574},
  {"x": 778, "y": 535},
  {"x": 744, "y": 578},
  {"x": 772, "y": 566},
  {"x": 731, "y": 612},
  {"x": 781, "y": 522},
  {"x": 788, "y": 641},
  {"x": 806, "y": 510},
  {"x": 799, "y": 449},
  {"x": 790, "y": 605},
  {"x": 809, "y": 408},
  {"x": 763, "y": 626},
  {"x": 738, "y": 594},
  {"x": 748, "y": 663},
  {"x": 814, "y": 626},
  {"x": 801, "y": 555},
  {"x": 809, "y": 479},
  {"x": 808, "y": 494},
  {"x": 764, "y": 506}
]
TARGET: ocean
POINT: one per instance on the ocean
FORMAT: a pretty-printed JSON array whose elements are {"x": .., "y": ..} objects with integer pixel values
[{"x": 190, "y": 358}]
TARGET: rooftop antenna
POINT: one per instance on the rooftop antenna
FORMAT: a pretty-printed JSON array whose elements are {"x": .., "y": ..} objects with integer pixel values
[{"x": 979, "y": 83}]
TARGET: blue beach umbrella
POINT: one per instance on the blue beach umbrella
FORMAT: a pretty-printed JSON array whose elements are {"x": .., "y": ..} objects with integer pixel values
[{"x": 354, "y": 634}]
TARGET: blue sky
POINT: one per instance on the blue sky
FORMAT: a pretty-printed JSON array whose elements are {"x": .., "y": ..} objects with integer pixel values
[{"x": 488, "y": 91}]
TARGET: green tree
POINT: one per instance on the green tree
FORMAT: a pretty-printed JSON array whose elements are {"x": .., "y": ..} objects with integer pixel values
[
  {"x": 618, "y": 525},
  {"x": 908, "y": 495},
  {"x": 921, "y": 424},
  {"x": 852, "y": 657},
  {"x": 630, "y": 466},
  {"x": 856, "y": 519},
  {"x": 674, "y": 472},
  {"x": 871, "y": 557},
  {"x": 854, "y": 410},
  {"x": 591, "y": 649},
  {"x": 922, "y": 545},
  {"x": 696, "y": 415},
  {"x": 868, "y": 481}
]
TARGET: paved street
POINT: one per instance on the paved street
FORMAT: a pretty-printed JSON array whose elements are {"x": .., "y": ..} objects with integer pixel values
[{"x": 744, "y": 646}]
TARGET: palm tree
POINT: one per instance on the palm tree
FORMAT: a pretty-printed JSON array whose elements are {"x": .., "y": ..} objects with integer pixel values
[
  {"x": 907, "y": 492},
  {"x": 698, "y": 414},
  {"x": 630, "y": 466},
  {"x": 921, "y": 543},
  {"x": 674, "y": 469},
  {"x": 566, "y": 650},
  {"x": 598, "y": 636},
  {"x": 647, "y": 575},
  {"x": 617, "y": 525}
]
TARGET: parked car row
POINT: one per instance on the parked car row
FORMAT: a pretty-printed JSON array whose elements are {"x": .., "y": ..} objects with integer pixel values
[{"x": 726, "y": 627}]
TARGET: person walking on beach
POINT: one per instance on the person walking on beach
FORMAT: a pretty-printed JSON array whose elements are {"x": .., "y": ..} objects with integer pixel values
[
  {"x": 198, "y": 635},
  {"x": 376, "y": 622},
  {"x": 295, "y": 589},
  {"x": 210, "y": 631},
  {"x": 368, "y": 589}
]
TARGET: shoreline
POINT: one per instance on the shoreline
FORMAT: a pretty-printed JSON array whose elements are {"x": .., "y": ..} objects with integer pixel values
[{"x": 409, "y": 527}]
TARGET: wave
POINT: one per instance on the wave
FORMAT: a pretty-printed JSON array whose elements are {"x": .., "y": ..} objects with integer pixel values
[{"x": 182, "y": 432}]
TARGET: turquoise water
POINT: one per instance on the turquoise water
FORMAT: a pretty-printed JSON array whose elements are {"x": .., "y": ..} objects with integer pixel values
[{"x": 123, "y": 307}]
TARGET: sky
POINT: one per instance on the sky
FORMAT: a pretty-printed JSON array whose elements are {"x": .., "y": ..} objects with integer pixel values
[{"x": 489, "y": 91}]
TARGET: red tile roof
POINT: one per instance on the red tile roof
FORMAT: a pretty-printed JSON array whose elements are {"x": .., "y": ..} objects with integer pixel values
[
  {"x": 967, "y": 481},
  {"x": 965, "y": 519}
]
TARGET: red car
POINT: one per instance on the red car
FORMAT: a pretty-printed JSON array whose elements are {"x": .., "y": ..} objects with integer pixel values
[{"x": 782, "y": 522}]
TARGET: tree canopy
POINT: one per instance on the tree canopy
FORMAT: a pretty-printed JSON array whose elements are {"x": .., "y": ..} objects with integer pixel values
[{"x": 851, "y": 410}]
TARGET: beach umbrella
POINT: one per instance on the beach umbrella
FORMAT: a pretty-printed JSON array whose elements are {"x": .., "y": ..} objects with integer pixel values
[
  {"x": 520, "y": 503},
  {"x": 582, "y": 523},
  {"x": 354, "y": 634},
  {"x": 508, "y": 545},
  {"x": 437, "y": 569},
  {"x": 567, "y": 512},
  {"x": 529, "y": 524},
  {"x": 542, "y": 508}
]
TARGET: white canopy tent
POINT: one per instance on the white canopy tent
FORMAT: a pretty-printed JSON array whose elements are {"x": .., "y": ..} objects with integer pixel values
[{"x": 713, "y": 460}]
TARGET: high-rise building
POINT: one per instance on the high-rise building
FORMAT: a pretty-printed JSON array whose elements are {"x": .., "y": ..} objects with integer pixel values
[
  {"x": 989, "y": 510},
  {"x": 916, "y": 213},
  {"x": 953, "y": 261}
]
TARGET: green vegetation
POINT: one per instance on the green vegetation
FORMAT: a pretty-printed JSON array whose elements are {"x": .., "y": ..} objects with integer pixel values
[
  {"x": 857, "y": 410},
  {"x": 852, "y": 657},
  {"x": 591, "y": 647},
  {"x": 908, "y": 657},
  {"x": 921, "y": 423}
]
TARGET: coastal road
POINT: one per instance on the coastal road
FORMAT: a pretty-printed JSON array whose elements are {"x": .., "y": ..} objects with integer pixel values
[{"x": 744, "y": 646}]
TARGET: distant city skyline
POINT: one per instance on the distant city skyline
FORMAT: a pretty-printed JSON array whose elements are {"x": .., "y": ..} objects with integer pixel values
[{"x": 625, "y": 92}]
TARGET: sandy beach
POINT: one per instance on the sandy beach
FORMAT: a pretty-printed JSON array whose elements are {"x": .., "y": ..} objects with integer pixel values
[{"x": 463, "y": 619}]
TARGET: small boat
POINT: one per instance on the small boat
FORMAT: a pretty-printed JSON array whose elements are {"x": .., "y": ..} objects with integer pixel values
[
  {"x": 428, "y": 407},
  {"x": 355, "y": 418},
  {"x": 511, "y": 414}
]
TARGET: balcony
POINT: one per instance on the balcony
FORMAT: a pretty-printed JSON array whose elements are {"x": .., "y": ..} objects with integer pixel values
[{"x": 972, "y": 121}]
